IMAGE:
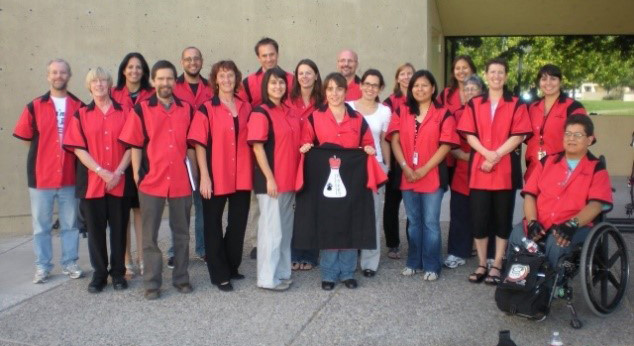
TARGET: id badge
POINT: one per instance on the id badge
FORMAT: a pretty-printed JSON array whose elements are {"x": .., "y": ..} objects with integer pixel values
[
  {"x": 415, "y": 159},
  {"x": 541, "y": 154}
]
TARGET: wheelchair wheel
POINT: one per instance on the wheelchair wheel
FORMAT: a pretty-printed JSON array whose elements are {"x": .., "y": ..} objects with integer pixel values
[{"x": 604, "y": 269}]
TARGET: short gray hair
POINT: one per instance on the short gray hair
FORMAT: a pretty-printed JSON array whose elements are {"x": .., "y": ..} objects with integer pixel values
[{"x": 61, "y": 61}]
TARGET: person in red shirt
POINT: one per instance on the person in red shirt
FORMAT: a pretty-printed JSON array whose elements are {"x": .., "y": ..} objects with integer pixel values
[
  {"x": 156, "y": 130},
  {"x": 453, "y": 97},
  {"x": 101, "y": 181},
  {"x": 306, "y": 95},
  {"x": 494, "y": 125},
  {"x": 133, "y": 87},
  {"x": 564, "y": 194},
  {"x": 267, "y": 51},
  {"x": 337, "y": 123},
  {"x": 192, "y": 88},
  {"x": 548, "y": 116},
  {"x": 460, "y": 239},
  {"x": 273, "y": 131},
  {"x": 347, "y": 63},
  {"x": 51, "y": 171},
  {"x": 219, "y": 133},
  {"x": 393, "y": 195},
  {"x": 422, "y": 133}
]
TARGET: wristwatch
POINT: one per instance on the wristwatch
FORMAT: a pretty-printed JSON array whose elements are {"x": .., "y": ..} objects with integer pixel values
[{"x": 574, "y": 222}]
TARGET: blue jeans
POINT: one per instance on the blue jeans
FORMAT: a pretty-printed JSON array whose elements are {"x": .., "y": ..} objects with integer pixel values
[
  {"x": 198, "y": 227},
  {"x": 553, "y": 251},
  {"x": 338, "y": 264},
  {"x": 42, "y": 201},
  {"x": 423, "y": 214}
]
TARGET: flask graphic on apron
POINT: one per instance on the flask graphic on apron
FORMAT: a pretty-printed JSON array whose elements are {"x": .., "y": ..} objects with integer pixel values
[{"x": 334, "y": 187}]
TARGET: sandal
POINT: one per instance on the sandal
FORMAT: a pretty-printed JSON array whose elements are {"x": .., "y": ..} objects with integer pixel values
[
  {"x": 295, "y": 266},
  {"x": 393, "y": 253},
  {"x": 305, "y": 266},
  {"x": 477, "y": 278},
  {"x": 493, "y": 279}
]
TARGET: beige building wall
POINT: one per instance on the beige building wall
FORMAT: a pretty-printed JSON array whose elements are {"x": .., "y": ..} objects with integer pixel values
[{"x": 90, "y": 33}]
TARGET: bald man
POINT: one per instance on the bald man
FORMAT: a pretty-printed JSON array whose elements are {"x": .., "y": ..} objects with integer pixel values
[{"x": 347, "y": 62}]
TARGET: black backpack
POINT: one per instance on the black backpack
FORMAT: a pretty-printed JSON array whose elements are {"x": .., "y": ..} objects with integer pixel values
[{"x": 525, "y": 288}]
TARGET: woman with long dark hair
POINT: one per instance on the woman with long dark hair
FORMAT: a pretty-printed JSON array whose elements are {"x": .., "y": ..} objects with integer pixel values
[
  {"x": 422, "y": 132},
  {"x": 306, "y": 95},
  {"x": 133, "y": 87}
]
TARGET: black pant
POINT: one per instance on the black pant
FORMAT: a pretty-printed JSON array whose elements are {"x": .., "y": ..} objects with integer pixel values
[
  {"x": 460, "y": 239},
  {"x": 99, "y": 213},
  {"x": 491, "y": 212},
  {"x": 224, "y": 253}
]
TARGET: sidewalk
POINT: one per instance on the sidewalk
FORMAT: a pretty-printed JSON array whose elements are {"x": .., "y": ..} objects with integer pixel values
[{"x": 388, "y": 309}]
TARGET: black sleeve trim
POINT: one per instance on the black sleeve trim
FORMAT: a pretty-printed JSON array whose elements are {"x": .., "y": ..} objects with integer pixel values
[
  {"x": 22, "y": 138},
  {"x": 253, "y": 141},
  {"x": 574, "y": 106},
  {"x": 245, "y": 85},
  {"x": 524, "y": 193}
]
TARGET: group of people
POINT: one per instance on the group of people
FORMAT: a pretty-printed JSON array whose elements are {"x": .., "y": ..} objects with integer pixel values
[{"x": 157, "y": 137}]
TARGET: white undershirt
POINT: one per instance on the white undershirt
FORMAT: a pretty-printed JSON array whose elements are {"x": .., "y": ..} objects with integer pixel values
[
  {"x": 60, "y": 110},
  {"x": 378, "y": 122},
  {"x": 493, "y": 107}
]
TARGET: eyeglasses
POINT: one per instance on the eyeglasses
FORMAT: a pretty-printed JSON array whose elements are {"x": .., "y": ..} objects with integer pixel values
[
  {"x": 575, "y": 135},
  {"x": 192, "y": 59},
  {"x": 471, "y": 89},
  {"x": 370, "y": 85}
]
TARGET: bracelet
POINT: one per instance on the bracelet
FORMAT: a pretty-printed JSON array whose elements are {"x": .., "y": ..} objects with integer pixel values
[
  {"x": 98, "y": 169},
  {"x": 118, "y": 172},
  {"x": 403, "y": 164}
]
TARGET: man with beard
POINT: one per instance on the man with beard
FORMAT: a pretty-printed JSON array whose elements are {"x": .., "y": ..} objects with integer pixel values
[
  {"x": 192, "y": 88},
  {"x": 347, "y": 63},
  {"x": 156, "y": 129},
  {"x": 51, "y": 171}
]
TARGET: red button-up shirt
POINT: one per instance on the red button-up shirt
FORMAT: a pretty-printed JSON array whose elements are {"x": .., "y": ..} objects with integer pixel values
[
  {"x": 251, "y": 90},
  {"x": 394, "y": 102},
  {"x": 97, "y": 133},
  {"x": 354, "y": 89},
  {"x": 548, "y": 130},
  {"x": 321, "y": 127},
  {"x": 162, "y": 135},
  {"x": 460, "y": 180},
  {"x": 278, "y": 128},
  {"x": 511, "y": 119},
  {"x": 562, "y": 194},
  {"x": 300, "y": 109},
  {"x": 229, "y": 156},
  {"x": 122, "y": 96},
  {"x": 48, "y": 166},
  {"x": 184, "y": 92},
  {"x": 438, "y": 127}
]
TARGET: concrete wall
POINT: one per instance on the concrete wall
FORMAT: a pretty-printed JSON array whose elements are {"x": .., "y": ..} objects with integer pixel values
[{"x": 91, "y": 32}]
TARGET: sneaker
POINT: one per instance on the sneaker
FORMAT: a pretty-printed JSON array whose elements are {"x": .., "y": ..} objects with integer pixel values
[
  {"x": 454, "y": 261},
  {"x": 170, "y": 262},
  {"x": 40, "y": 277},
  {"x": 430, "y": 276},
  {"x": 408, "y": 271},
  {"x": 73, "y": 271}
]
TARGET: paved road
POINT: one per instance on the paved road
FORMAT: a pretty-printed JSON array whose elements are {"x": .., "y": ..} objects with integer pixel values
[{"x": 388, "y": 309}]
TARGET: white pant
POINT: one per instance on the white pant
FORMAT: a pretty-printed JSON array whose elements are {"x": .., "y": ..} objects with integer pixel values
[
  {"x": 275, "y": 230},
  {"x": 370, "y": 258}
]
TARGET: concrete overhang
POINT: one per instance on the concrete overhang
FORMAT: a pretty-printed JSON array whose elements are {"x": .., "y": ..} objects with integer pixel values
[{"x": 536, "y": 17}]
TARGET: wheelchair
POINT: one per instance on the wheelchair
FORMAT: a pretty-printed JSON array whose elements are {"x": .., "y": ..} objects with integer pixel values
[{"x": 603, "y": 267}]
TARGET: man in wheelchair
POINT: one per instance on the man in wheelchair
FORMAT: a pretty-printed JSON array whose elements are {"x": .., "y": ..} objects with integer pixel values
[{"x": 564, "y": 194}]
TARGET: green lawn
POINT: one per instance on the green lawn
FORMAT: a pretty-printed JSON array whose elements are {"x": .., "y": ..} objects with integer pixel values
[{"x": 609, "y": 107}]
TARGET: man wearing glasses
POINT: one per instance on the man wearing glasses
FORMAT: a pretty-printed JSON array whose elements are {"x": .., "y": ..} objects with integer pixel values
[
  {"x": 565, "y": 193},
  {"x": 347, "y": 63},
  {"x": 192, "y": 88}
]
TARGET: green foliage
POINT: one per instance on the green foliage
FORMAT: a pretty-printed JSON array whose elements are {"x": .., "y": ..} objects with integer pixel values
[{"x": 607, "y": 60}]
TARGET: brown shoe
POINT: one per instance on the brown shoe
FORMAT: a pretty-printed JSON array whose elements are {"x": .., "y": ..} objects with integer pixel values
[
  {"x": 184, "y": 288},
  {"x": 152, "y": 294}
]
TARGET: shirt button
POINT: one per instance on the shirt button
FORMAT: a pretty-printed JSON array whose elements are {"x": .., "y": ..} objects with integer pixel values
[
  {"x": 171, "y": 146},
  {"x": 338, "y": 134},
  {"x": 107, "y": 148},
  {"x": 168, "y": 178},
  {"x": 105, "y": 132}
]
